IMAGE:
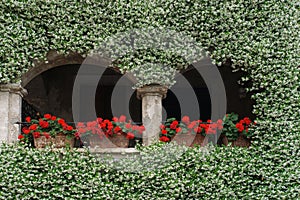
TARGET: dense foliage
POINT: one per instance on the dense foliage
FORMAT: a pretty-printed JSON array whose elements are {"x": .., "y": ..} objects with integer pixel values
[
  {"x": 259, "y": 37},
  {"x": 232, "y": 173}
]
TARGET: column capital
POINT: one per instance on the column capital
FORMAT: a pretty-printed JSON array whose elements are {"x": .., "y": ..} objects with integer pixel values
[
  {"x": 152, "y": 90},
  {"x": 13, "y": 88}
]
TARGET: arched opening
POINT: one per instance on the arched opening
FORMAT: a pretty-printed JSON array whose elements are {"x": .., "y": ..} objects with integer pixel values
[
  {"x": 237, "y": 100},
  {"x": 195, "y": 85},
  {"x": 51, "y": 92}
]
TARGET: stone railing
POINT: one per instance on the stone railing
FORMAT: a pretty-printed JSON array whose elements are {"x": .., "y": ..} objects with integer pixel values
[{"x": 11, "y": 108}]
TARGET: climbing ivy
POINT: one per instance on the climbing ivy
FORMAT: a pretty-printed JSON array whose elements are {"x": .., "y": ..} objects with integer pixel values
[
  {"x": 259, "y": 37},
  {"x": 220, "y": 173}
]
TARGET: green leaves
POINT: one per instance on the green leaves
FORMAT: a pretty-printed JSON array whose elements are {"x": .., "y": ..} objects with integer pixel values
[
  {"x": 260, "y": 38},
  {"x": 194, "y": 174}
]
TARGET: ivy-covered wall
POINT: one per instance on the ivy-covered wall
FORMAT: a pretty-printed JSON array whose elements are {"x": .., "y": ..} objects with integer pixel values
[
  {"x": 223, "y": 173},
  {"x": 260, "y": 37}
]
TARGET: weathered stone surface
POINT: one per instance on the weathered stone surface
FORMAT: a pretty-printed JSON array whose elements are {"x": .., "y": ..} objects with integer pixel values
[
  {"x": 151, "y": 110},
  {"x": 116, "y": 153},
  {"x": 10, "y": 111},
  {"x": 53, "y": 60}
]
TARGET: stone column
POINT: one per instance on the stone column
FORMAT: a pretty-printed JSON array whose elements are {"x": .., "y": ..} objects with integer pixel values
[
  {"x": 151, "y": 96},
  {"x": 10, "y": 111}
]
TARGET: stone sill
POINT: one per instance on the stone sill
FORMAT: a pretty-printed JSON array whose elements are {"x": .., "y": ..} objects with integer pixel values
[{"x": 114, "y": 152}]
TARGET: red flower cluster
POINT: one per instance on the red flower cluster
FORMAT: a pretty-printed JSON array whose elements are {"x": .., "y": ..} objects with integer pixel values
[
  {"x": 243, "y": 124},
  {"x": 99, "y": 127},
  {"x": 211, "y": 127},
  {"x": 43, "y": 124},
  {"x": 174, "y": 124},
  {"x": 20, "y": 137},
  {"x": 107, "y": 128},
  {"x": 164, "y": 139},
  {"x": 233, "y": 127},
  {"x": 172, "y": 127},
  {"x": 47, "y": 126},
  {"x": 36, "y": 134},
  {"x": 185, "y": 119}
]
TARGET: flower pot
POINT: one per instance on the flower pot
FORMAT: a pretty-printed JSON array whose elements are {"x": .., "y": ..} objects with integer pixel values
[
  {"x": 59, "y": 141},
  {"x": 119, "y": 140},
  {"x": 183, "y": 139},
  {"x": 241, "y": 141},
  {"x": 189, "y": 139},
  {"x": 101, "y": 142},
  {"x": 114, "y": 141},
  {"x": 200, "y": 140}
]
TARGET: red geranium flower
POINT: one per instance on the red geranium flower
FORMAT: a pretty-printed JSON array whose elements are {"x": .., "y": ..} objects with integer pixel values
[
  {"x": 25, "y": 130},
  {"x": 77, "y": 135},
  {"x": 128, "y": 126},
  {"x": 53, "y": 118},
  {"x": 20, "y": 137},
  {"x": 33, "y": 127},
  {"x": 240, "y": 127},
  {"x": 69, "y": 128},
  {"x": 47, "y": 116},
  {"x": 43, "y": 124},
  {"x": 47, "y": 135},
  {"x": 102, "y": 125},
  {"x": 203, "y": 125},
  {"x": 199, "y": 129},
  {"x": 115, "y": 119},
  {"x": 110, "y": 127},
  {"x": 109, "y": 123},
  {"x": 220, "y": 124},
  {"x": 81, "y": 130},
  {"x": 142, "y": 129},
  {"x": 91, "y": 124},
  {"x": 130, "y": 136},
  {"x": 211, "y": 131},
  {"x": 117, "y": 129},
  {"x": 36, "y": 134},
  {"x": 185, "y": 119},
  {"x": 106, "y": 121},
  {"x": 122, "y": 118},
  {"x": 80, "y": 124},
  {"x": 99, "y": 120},
  {"x": 162, "y": 126},
  {"x": 174, "y": 124},
  {"x": 61, "y": 121},
  {"x": 28, "y": 119},
  {"x": 178, "y": 130},
  {"x": 135, "y": 127},
  {"x": 192, "y": 124},
  {"x": 213, "y": 126},
  {"x": 247, "y": 121},
  {"x": 164, "y": 131},
  {"x": 164, "y": 139}
]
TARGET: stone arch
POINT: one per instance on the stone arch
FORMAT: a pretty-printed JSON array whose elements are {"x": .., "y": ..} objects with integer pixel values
[
  {"x": 41, "y": 96},
  {"x": 238, "y": 101},
  {"x": 53, "y": 60}
]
